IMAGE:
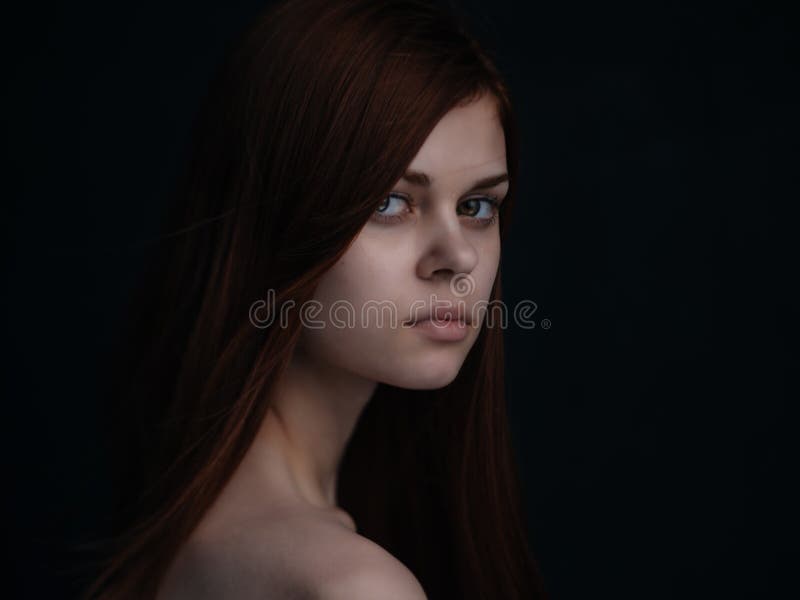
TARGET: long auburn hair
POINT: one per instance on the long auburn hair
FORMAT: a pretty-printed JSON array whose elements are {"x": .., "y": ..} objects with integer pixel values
[{"x": 311, "y": 119}]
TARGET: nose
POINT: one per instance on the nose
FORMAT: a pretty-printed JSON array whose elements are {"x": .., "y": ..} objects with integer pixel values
[{"x": 447, "y": 252}]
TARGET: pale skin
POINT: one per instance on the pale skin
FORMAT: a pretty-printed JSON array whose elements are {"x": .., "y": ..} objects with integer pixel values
[{"x": 276, "y": 531}]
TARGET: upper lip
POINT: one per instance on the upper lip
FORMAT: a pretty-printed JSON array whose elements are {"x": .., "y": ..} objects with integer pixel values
[{"x": 443, "y": 313}]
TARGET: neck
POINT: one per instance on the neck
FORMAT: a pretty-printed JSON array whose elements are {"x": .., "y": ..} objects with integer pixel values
[{"x": 312, "y": 415}]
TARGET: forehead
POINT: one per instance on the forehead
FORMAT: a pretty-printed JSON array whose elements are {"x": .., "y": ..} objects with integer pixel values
[{"x": 467, "y": 140}]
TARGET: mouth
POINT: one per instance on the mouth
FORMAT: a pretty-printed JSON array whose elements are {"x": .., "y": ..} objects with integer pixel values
[{"x": 442, "y": 327}]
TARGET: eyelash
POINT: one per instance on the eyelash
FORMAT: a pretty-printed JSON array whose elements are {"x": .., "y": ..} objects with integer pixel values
[{"x": 492, "y": 200}]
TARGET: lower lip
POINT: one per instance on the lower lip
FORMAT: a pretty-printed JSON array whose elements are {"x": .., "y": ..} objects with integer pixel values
[{"x": 446, "y": 331}]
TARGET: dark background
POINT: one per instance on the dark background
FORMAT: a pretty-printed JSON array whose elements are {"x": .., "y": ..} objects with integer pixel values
[{"x": 654, "y": 230}]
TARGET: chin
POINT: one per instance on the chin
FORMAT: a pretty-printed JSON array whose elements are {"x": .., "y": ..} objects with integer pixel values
[{"x": 431, "y": 375}]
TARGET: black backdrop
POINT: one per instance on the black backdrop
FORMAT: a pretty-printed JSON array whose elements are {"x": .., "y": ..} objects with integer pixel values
[{"x": 654, "y": 233}]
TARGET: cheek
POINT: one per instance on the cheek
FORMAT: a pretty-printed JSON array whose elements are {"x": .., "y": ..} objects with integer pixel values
[
  {"x": 346, "y": 331},
  {"x": 486, "y": 271},
  {"x": 365, "y": 273}
]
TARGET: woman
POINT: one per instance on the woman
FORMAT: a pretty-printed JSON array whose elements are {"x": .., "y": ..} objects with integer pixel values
[{"x": 350, "y": 152}]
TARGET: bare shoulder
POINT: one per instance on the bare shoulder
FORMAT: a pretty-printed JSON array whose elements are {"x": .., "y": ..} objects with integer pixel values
[
  {"x": 292, "y": 556},
  {"x": 362, "y": 570},
  {"x": 367, "y": 581}
]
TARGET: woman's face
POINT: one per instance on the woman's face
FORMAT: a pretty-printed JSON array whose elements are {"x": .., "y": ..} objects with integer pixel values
[{"x": 434, "y": 242}]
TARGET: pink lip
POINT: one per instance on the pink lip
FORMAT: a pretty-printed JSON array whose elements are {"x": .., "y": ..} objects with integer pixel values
[
  {"x": 444, "y": 313},
  {"x": 442, "y": 330}
]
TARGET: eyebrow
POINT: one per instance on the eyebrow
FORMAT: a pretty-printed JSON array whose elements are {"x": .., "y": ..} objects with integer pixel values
[{"x": 422, "y": 179}]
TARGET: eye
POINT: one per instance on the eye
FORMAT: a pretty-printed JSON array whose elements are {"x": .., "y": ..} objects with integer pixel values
[
  {"x": 483, "y": 209},
  {"x": 393, "y": 208}
]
